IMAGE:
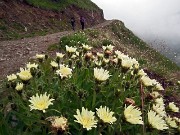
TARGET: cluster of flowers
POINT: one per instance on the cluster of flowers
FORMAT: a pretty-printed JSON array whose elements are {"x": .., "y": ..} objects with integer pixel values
[{"x": 157, "y": 116}]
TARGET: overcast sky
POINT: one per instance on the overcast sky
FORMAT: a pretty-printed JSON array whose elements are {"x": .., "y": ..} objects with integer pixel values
[{"x": 150, "y": 19}]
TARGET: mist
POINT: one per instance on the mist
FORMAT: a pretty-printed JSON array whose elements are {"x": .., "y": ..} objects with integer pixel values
[{"x": 155, "y": 21}]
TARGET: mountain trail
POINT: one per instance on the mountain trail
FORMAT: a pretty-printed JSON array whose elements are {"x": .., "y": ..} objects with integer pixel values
[{"x": 14, "y": 54}]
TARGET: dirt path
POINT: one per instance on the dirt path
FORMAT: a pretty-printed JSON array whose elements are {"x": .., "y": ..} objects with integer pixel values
[{"x": 14, "y": 54}]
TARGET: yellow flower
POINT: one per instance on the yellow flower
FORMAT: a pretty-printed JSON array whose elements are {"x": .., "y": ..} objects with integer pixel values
[
  {"x": 159, "y": 109},
  {"x": 54, "y": 64},
  {"x": 101, "y": 74},
  {"x": 59, "y": 55},
  {"x": 108, "y": 47},
  {"x": 11, "y": 77},
  {"x": 86, "y": 47},
  {"x": 88, "y": 55},
  {"x": 133, "y": 115},
  {"x": 177, "y": 120},
  {"x": 115, "y": 60},
  {"x": 173, "y": 107},
  {"x": 85, "y": 118},
  {"x": 19, "y": 86},
  {"x": 121, "y": 55},
  {"x": 64, "y": 71},
  {"x": 105, "y": 60},
  {"x": 41, "y": 102},
  {"x": 156, "y": 121},
  {"x": 73, "y": 56},
  {"x": 100, "y": 54},
  {"x": 146, "y": 81},
  {"x": 40, "y": 56},
  {"x": 158, "y": 86},
  {"x": 126, "y": 63},
  {"x": 135, "y": 63},
  {"x": 141, "y": 73},
  {"x": 105, "y": 115},
  {"x": 59, "y": 123},
  {"x": 155, "y": 94},
  {"x": 98, "y": 63},
  {"x": 24, "y": 74},
  {"x": 29, "y": 65},
  {"x": 70, "y": 49},
  {"x": 160, "y": 101},
  {"x": 178, "y": 82},
  {"x": 171, "y": 122}
]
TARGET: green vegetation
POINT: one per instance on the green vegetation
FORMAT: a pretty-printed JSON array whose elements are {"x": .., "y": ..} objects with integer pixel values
[
  {"x": 74, "y": 40},
  {"x": 92, "y": 33},
  {"x": 61, "y": 4},
  {"x": 78, "y": 79}
]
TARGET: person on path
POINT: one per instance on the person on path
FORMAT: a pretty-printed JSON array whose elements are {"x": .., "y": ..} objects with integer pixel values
[
  {"x": 73, "y": 23},
  {"x": 82, "y": 21}
]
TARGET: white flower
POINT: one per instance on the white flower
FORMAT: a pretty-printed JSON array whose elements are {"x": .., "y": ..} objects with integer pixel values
[
  {"x": 178, "y": 82},
  {"x": 98, "y": 62},
  {"x": 121, "y": 55},
  {"x": 19, "y": 86},
  {"x": 24, "y": 74},
  {"x": 105, "y": 115},
  {"x": 85, "y": 118},
  {"x": 64, "y": 71},
  {"x": 29, "y": 65},
  {"x": 156, "y": 121},
  {"x": 135, "y": 63},
  {"x": 106, "y": 60},
  {"x": 159, "y": 109},
  {"x": 115, "y": 60},
  {"x": 155, "y": 94},
  {"x": 158, "y": 86},
  {"x": 77, "y": 53},
  {"x": 101, "y": 74},
  {"x": 108, "y": 47},
  {"x": 86, "y": 47},
  {"x": 41, "y": 102},
  {"x": 70, "y": 49},
  {"x": 146, "y": 81},
  {"x": 126, "y": 63},
  {"x": 59, "y": 55},
  {"x": 133, "y": 115},
  {"x": 172, "y": 123},
  {"x": 11, "y": 77},
  {"x": 141, "y": 73},
  {"x": 59, "y": 123},
  {"x": 160, "y": 101},
  {"x": 54, "y": 64},
  {"x": 100, "y": 54},
  {"x": 173, "y": 107},
  {"x": 40, "y": 56},
  {"x": 73, "y": 56}
]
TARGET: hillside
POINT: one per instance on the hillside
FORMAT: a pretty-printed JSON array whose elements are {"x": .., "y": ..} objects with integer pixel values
[
  {"x": 83, "y": 78},
  {"x": 28, "y": 18}
]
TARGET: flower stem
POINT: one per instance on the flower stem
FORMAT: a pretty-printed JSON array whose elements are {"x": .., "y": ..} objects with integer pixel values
[
  {"x": 142, "y": 104},
  {"x": 94, "y": 98}
]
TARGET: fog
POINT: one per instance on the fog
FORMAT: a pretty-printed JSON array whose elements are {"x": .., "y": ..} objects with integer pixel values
[{"x": 155, "y": 21}]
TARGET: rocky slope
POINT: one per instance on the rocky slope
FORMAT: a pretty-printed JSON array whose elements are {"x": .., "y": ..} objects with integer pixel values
[{"x": 18, "y": 19}]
